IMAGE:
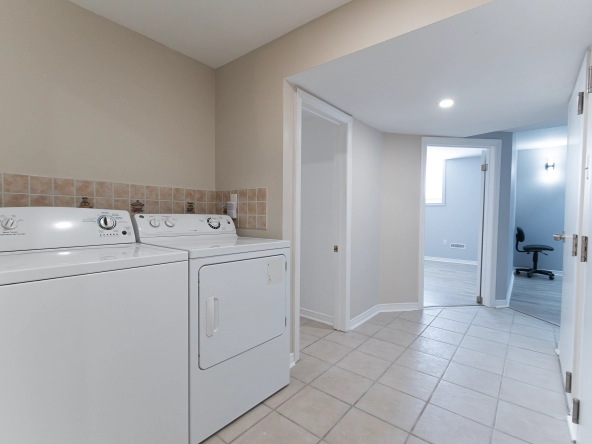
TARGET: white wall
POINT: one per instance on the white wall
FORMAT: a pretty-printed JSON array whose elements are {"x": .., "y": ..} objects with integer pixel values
[{"x": 366, "y": 204}]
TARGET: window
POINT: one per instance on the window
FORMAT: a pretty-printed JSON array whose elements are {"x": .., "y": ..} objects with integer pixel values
[{"x": 435, "y": 180}]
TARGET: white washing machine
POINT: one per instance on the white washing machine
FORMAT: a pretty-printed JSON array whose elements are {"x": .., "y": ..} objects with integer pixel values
[
  {"x": 239, "y": 323},
  {"x": 93, "y": 331}
]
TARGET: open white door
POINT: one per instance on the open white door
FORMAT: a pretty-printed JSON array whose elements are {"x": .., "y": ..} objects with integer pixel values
[
  {"x": 484, "y": 161},
  {"x": 571, "y": 303}
]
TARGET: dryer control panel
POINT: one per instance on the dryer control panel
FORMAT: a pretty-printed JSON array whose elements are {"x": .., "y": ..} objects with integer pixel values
[
  {"x": 31, "y": 228},
  {"x": 158, "y": 225}
]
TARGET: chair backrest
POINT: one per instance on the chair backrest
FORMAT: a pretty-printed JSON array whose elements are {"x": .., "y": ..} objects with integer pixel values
[{"x": 520, "y": 235}]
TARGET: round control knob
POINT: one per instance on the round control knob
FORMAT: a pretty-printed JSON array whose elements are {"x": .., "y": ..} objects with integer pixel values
[
  {"x": 107, "y": 222},
  {"x": 169, "y": 223},
  {"x": 215, "y": 224},
  {"x": 155, "y": 223},
  {"x": 9, "y": 223}
]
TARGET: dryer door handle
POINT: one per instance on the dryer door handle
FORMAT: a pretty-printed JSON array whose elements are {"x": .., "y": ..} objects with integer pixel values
[{"x": 212, "y": 315}]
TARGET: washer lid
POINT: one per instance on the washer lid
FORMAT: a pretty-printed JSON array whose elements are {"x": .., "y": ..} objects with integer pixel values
[
  {"x": 219, "y": 246},
  {"x": 28, "y": 266}
]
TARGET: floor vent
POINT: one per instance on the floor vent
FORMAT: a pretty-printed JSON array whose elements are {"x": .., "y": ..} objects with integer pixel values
[{"x": 460, "y": 246}]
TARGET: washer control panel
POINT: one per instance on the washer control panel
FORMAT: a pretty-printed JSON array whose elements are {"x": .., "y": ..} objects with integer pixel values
[
  {"x": 155, "y": 225},
  {"x": 32, "y": 228}
]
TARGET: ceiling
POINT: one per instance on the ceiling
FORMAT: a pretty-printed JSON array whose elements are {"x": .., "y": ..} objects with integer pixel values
[
  {"x": 508, "y": 64},
  {"x": 214, "y": 32}
]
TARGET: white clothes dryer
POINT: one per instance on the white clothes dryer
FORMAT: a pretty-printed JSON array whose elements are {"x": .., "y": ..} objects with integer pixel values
[
  {"x": 239, "y": 322},
  {"x": 93, "y": 331}
]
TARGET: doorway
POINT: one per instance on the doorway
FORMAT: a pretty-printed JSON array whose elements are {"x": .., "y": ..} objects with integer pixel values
[{"x": 459, "y": 214}]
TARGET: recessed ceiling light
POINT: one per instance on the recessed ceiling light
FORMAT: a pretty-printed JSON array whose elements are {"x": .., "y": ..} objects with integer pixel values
[{"x": 446, "y": 103}]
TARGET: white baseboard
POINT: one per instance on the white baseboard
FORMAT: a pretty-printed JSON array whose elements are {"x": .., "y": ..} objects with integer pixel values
[
  {"x": 509, "y": 293},
  {"x": 292, "y": 361},
  {"x": 446, "y": 259},
  {"x": 361, "y": 318},
  {"x": 315, "y": 316},
  {"x": 401, "y": 306},
  {"x": 501, "y": 303}
]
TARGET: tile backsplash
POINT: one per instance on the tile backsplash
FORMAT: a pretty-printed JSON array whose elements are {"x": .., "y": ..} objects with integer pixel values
[{"x": 19, "y": 190}]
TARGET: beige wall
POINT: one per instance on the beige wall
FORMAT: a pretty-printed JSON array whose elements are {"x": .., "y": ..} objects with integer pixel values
[
  {"x": 83, "y": 97},
  {"x": 399, "y": 219},
  {"x": 250, "y": 90}
]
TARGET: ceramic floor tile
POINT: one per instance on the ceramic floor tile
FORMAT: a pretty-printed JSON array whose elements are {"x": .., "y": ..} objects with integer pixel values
[
  {"x": 342, "y": 384},
  {"x": 350, "y": 339},
  {"x": 415, "y": 440},
  {"x": 489, "y": 334},
  {"x": 435, "y": 348},
  {"x": 533, "y": 332},
  {"x": 532, "y": 322},
  {"x": 534, "y": 376},
  {"x": 382, "y": 319},
  {"x": 423, "y": 362},
  {"x": 327, "y": 351},
  {"x": 494, "y": 324},
  {"x": 466, "y": 309},
  {"x": 534, "y": 398},
  {"x": 418, "y": 316},
  {"x": 530, "y": 426},
  {"x": 308, "y": 368},
  {"x": 306, "y": 339},
  {"x": 484, "y": 346},
  {"x": 407, "y": 326},
  {"x": 465, "y": 402},
  {"x": 505, "y": 314},
  {"x": 448, "y": 324},
  {"x": 363, "y": 364},
  {"x": 474, "y": 379},
  {"x": 358, "y": 427},
  {"x": 533, "y": 358},
  {"x": 457, "y": 316},
  {"x": 538, "y": 345},
  {"x": 368, "y": 329},
  {"x": 441, "y": 335},
  {"x": 440, "y": 426},
  {"x": 303, "y": 320},
  {"x": 502, "y": 438},
  {"x": 275, "y": 400},
  {"x": 213, "y": 440},
  {"x": 274, "y": 429},
  {"x": 314, "y": 410},
  {"x": 392, "y": 406},
  {"x": 381, "y": 349},
  {"x": 483, "y": 361},
  {"x": 409, "y": 381},
  {"x": 431, "y": 311},
  {"x": 396, "y": 336},
  {"x": 316, "y": 329},
  {"x": 235, "y": 428}
]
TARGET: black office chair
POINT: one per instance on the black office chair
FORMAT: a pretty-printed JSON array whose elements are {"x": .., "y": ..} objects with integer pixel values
[{"x": 535, "y": 250}]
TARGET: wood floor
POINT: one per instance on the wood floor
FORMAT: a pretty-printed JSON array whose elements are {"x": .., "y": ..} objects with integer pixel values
[
  {"x": 448, "y": 284},
  {"x": 538, "y": 297}
]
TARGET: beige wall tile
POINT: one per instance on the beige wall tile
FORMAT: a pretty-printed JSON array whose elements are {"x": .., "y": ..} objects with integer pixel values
[
  {"x": 166, "y": 193},
  {"x": 262, "y": 194},
  {"x": 242, "y": 195},
  {"x": 166, "y": 206},
  {"x": 242, "y": 221},
  {"x": 179, "y": 207},
  {"x": 262, "y": 222},
  {"x": 1, "y": 200},
  {"x": 85, "y": 188},
  {"x": 179, "y": 194},
  {"x": 104, "y": 203},
  {"x": 104, "y": 189},
  {"x": 211, "y": 208},
  {"x": 211, "y": 196},
  {"x": 219, "y": 196},
  {"x": 79, "y": 200},
  {"x": 219, "y": 208},
  {"x": 16, "y": 200},
  {"x": 64, "y": 201},
  {"x": 189, "y": 195},
  {"x": 234, "y": 192},
  {"x": 121, "y": 191},
  {"x": 63, "y": 187},
  {"x": 252, "y": 195},
  {"x": 251, "y": 221},
  {"x": 137, "y": 192},
  {"x": 16, "y": 183},
  {"x": 152, "y": 207},
  {"x": 41, "y": 185},
  {"x": 201, "y": 208},
  {"x": 152, "y": 193},
  {"x": 261, "y": 208},
  {"x": 121, "y": 204},
  {"x": 225, "y": 196},
  {"x": 201, "y": 196},
  {"x": 243, "y": 208},
  {"x": 41, "y": 200},
  {"x": 252, "y": 208}
]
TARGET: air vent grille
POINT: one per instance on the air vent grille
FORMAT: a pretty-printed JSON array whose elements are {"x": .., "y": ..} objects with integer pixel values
[{"x": 459, "y": 246}]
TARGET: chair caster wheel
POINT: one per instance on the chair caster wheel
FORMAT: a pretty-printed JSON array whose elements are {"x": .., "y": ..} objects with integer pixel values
[
  {"x": 529, "y": 275},
  {"x": 517, "y": 272},
  {"x": 551, "y": 278}
]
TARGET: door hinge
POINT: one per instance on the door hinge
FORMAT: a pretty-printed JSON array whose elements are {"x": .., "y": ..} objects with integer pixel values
[
  {"x": 286, "y": 266},
  {"x": 580, "y": 103},
  {"x": 484, "y": 167},
  {"x": 584, "y": 249},
  {"x": 285, "y": 322},
  {"x": 589, "y": 86},
  {"x": 479, "y": 299},
  {"x": 574, "y": 245},
  {"x": 335, "y": 249},
  {"x": 575, "y": 411},
  {"x": 567, "y": 382}
]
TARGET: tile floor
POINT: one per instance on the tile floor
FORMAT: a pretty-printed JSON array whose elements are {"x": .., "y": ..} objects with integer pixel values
[{"x": 462, "y": 375}]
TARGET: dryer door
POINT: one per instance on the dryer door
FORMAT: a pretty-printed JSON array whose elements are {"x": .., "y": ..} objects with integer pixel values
[{"x": 242, "y": 304}]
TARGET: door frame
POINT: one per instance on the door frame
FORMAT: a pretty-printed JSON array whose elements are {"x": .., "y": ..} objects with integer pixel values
[
  {"x": 491, "y": 212},
  {"x": 306, "y": 101}
]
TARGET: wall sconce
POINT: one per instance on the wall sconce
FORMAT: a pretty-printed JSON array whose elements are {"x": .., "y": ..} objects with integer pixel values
[{"x": 550, "y": 165}]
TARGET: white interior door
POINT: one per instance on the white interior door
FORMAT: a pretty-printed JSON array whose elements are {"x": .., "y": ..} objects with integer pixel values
[
  {"x": 570, "y": 303},
  {"x": 484, "y": 161}
]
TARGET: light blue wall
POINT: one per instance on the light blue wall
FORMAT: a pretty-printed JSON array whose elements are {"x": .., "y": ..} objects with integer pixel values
[
  {"x": 540, "y": 203},
  {"x": 458, "y": 220}
]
